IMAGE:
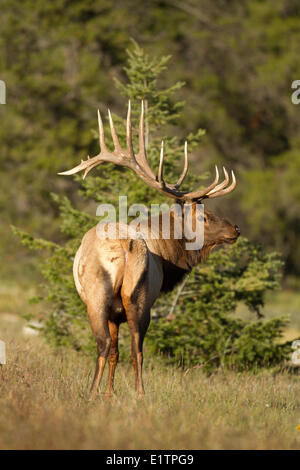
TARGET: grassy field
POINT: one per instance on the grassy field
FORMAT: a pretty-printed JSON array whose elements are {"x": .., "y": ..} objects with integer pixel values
[
  {"x": 43, "y": 404},
  {"x": 283, "y": 302}
]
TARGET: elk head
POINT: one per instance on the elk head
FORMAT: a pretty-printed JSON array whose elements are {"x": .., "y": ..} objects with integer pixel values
[{"x": 216, "y": 229}]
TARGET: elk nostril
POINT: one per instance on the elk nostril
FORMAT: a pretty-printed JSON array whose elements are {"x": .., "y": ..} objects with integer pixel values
[{"x": 237, "y": 229}]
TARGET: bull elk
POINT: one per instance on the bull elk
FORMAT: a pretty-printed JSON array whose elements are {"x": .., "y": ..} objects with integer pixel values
[{"x": 120, "y": 279}]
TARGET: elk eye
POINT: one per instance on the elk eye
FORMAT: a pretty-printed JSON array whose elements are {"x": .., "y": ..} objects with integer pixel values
[{"x": 205, "y": 218}]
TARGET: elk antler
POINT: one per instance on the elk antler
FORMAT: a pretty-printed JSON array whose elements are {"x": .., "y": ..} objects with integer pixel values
[{"x": 139, "y": 164}]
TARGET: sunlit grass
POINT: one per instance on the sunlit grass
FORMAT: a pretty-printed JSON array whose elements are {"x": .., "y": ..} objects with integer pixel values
[
  {"x": 43, "y": 398},
  {"x": 43, "y": 405},
  {"x": 284, "y": 302}
]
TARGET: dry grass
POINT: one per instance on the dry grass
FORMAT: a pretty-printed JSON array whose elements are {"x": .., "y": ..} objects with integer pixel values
[{"x": 43, "y": 405}]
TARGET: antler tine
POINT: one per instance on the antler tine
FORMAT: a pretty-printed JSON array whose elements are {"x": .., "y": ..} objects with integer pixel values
[
  {"x": 221, "y": 185},
  {"x": 113, "y": 132},
  {"x": 200, "y": 194},
  {"x": 101, "y": 133},
  {"x": 142, "y": 131},
  {"x": 185, "y": 169},
  {"x": 141, "y": 157},
  {"x": 129, "y": 131},
  {"x": 161, "y": 165},
  {"x": 139, "y": 164},
  {"x": 222, "y": 192}
]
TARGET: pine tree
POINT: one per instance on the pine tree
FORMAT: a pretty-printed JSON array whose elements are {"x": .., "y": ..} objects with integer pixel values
[
  {"x": 195, "y": 325},
  {"x": 203, "y": 330}
]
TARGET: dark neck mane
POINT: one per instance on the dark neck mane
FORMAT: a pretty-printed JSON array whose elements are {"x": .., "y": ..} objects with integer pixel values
[
  {"x": 176, "y": 260},
  {"x": 172, "y": 276}
]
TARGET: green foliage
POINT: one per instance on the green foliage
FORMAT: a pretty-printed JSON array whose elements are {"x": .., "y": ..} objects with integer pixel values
[
  {"x": 276, "y": 215},
  {"x": 143, "y": 73},
  {"x": 238, "y": 61},
  {"x": 65, "y": 321},
  {"x": 203, "y": 330}
]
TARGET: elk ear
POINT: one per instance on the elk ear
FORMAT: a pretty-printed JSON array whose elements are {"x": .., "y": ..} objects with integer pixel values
[{"x": 194, "y": 206}]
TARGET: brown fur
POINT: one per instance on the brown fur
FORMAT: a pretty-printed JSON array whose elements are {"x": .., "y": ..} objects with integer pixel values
[{"x": 119, "y": 280}]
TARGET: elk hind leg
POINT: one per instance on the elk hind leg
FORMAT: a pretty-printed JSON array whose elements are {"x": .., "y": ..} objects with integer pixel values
[
  {"x": 98, "y": 317},
  {"x": 138, "y": 325},
  {"x": 113, "y": 356},
  {"x": 134, "y": 297}
]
